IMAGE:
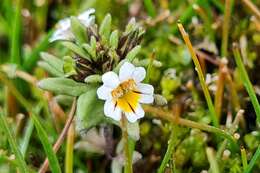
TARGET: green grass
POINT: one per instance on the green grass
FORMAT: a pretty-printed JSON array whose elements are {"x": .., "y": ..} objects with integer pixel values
[
  {"x": 246, "y": 81},
  {"x": 13, "y": 144},
  {"x": 253, "y": 161}
]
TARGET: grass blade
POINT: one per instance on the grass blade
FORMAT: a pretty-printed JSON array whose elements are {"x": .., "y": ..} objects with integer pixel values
[
  {"x": 200, "y": 75},
  {"x": 54, "y": 164},
  {"x": 253, "y": 160},
  {"x": 150, "y": 8},
  {"x": 16, "y": 35},
  {"x": 170, "y": 149},
  {"x": 18, "y": 155},
  {"x": 248, "y": 85},
  {"x": 25, "y": 142}
]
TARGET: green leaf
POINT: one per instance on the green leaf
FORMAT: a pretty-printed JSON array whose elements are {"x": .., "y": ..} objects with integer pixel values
[
  {"x": 113, "y": 41},
  {"x": 54, "y": 164},
  {"x": 89, "y": 49},
  {"x": 132, "y": 54},
  {"x": 89, "y": 111},
  {"x": 93, "y": 79},
  {"x": 32, "y": 59},
  {"x": 76, "y": 49},
  {"x": 64, "y": 100},
  {"x": 13, "y": 145},
  {"x": 105, "y": 27},
  {"x": 46, "y": 66},
  {"x": 53, "y": 61},
  {"x": 63, "y": 86},
  {"x": 78, "y": 30},
  {"x": 69, "y": 66}
]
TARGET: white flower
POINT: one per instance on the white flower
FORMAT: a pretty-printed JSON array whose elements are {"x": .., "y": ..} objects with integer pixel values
[
  {"x": 63, "y": 31},
  {"x": 124, "y": 93}
]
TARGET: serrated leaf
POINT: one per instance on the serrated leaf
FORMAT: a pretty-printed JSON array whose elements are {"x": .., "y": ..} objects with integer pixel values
[
  {"x": 89, "y": 111},
  {"x": 53, "y": 71},
  {"x": 76, "y": 49},
  {"x": 69, "y": 66},
  {"x": 113, "y": 41},
  {"x": 132, "y": 54},
  {"x": 78, "y": 30},
  {"x": 63, "y": 86},
  {"x": 105, "y": 27},
  {"x": 53, "y": 61}
]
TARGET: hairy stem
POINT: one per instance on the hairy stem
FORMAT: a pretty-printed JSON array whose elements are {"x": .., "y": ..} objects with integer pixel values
[{"x": 128, "y": 159}]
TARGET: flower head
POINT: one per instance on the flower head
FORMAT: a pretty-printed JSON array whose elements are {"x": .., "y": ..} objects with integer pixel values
[
  {"x": 63, "y": 31},
  {"x": 124, "y": 93}
]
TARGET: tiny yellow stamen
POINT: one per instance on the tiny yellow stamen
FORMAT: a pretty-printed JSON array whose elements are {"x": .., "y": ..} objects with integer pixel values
[{"x": 126, "y": 96}]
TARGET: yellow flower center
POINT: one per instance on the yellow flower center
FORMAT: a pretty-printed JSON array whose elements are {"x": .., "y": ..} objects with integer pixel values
[{"x": 126, "y": 96}]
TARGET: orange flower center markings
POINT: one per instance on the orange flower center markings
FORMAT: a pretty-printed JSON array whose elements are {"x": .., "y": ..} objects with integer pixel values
[{"x": 126, "y": 96}]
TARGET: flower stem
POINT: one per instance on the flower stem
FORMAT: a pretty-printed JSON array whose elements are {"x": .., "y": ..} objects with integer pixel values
[{"x": 128, "y": 159}]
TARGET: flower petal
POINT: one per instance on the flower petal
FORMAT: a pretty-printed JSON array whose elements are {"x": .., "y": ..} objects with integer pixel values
[
  {"x": 110, "y": 79},
  {"x": 146, "y": 98},
  {"x": 63, "y": 24},
  {"x": 61, "y": 35},
  {"x": 104, "y": 93},
  {"x": 109, "y": 108},
  {"x": 86, "y": 17},
  {"x": 134, "y": 116},
  {"x": 126, "y": 71},
  {"x": 111, "y": 111},
  {"x": 139, "y": 74},
  {"x": 145, "y": 88},
  {"x": 139, "y": 112},
  {"x": 131, "y": 117}
]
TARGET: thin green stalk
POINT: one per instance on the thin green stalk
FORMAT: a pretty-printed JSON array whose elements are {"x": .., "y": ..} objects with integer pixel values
[
  {"x": 200, "y": 75},
  {"x": 231, "y": 130},
  {"x": 212, "y": 160},
  {"x": 246, "y": 81},
  {"x": 69, "y": 150},
  {"x": 32, "y": 59},
  {"x": 225, "y": 29},
  {"x": 188, "y": 123},
  {"x": 13, "y": 144},
  {"x": 253, "y": 160},
  {"x": 243, "y": 158},
  {"x": 150, "y": 8},
  {"x": 170, "y": 149},
  {"x": 128, "y": 159},
  {"x": 16, "y": 35}
]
